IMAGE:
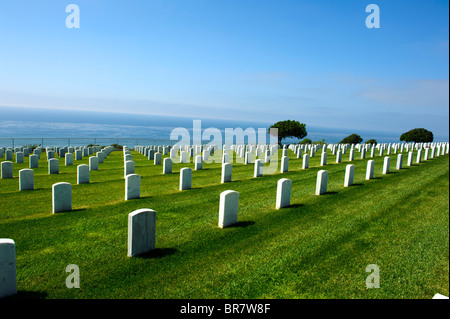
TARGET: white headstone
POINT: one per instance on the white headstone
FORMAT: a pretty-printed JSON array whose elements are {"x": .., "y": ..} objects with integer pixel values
[
  {"x": 185, "y": 178},
  {"x": 34, "y": 161},
  {"x": 227, "y": 169},
  {"x": 349, "y": 175},
  {"x": 228, "y": 207},
  {"x": 399, "y": 161},
  {"x": 305, "y": 163},
  {"x": 19, "y": 157},
  {"x": 9, "y": 155},
  {"x": 50, "y": 155},
  {"x": 7, "y": 169},
  {"x": 322, "y": 181},
  {"x": 53, "y": 166},
  {"x": 151, "y": 155},
  {"x": 68, "y": 159},
  {"x": 363, "y": 153},
  {"x": 61, "y": 197},
  {"x": 82, "y": 174},
  {"x": 141, "y": 232},
  {"x": 410, "y": 158},
  {"x": 248, "y": 158},
  {"x": 128, "y": 168},
  {"x": 127, "y": 157},
  {"x": 198, "y": 162},
  {"x": 433, "y": 149},
  {"x": 284, "y": 164},
  {"x": 26, "y": 179},
  {"x": 370, "y": 169},
  {"x": 132, "y": 186},
  {"x": 323, "y": 159},
  {"x": 386, "y": 164},
  {"x": 338, "y": 157},
  {"x": 93, "y": 163},
  {"x": 419, "y": 156},
  {"x": 183, "y": 157},
  {"x": 167, "y": 165},
  {"x": 205, "y": 156},
  {"x": 8, "y": 277},
  {"x": 427, "y": 152},
  {"x": 158, "y": 158},
  {"x": 258, "y": 170},
  {"x": 283, "y": 193}
]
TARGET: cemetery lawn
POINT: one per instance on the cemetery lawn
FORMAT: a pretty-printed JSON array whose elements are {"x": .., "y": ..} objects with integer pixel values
[{"x": 319, "y": 247}]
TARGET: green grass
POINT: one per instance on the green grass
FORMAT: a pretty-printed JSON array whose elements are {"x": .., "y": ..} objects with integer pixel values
[{"x": 318, "y": 247}]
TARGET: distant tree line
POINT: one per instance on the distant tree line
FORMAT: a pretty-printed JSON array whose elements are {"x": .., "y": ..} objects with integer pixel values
[{"x": 292, "y": 128}]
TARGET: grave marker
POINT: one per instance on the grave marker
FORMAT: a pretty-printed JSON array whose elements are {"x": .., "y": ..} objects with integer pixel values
[
  {"x": 61, "y": 197},
  {"x": 141, "y": 232},
  {"x": 322, "y": 181},
  {"x": 8, "y": 277},
  {"x": 34, "y": 161},
  {"x": 26, "y": 179},
  {"x": 226, "y": 172},
  {"x": 132, "y": 186},
  {"x": 167, "y": 166},
  {"x": 370, "y": 169},
  {"x": 7, "y": 169},
  {"x": 228, "y": 208},
  {"x": 349, "y": 175},
  {"x": 185, "y": 178},
  {"x": 53, "y": 166},
  {"x": 283, "y": 193},
  {"x": 386, "y": 164},
  {"x": 258, "y": 170},
  {"x": 82, "y": 174}
]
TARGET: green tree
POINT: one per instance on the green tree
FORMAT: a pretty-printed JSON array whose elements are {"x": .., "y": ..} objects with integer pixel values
[
  {"x": 352, "y": 139},
  {"x": 305, "y": 141},
  {"x": 372, "y": 141},
  {"x": 289, "y": 128},
  {"x": 417, "y": 135}
]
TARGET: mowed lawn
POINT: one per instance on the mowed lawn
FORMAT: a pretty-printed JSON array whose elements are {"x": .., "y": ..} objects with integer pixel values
[{"x": 319, "y": 247}]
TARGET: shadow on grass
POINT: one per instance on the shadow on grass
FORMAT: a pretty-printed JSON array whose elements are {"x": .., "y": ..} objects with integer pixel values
[
  {"x": 331, "y": 193},
  {"x": 296, "y": 206},
  {"x": 77, "y": 210},
  {"x": 158, "y": 253},
  {"x": 242, "y": 224}
]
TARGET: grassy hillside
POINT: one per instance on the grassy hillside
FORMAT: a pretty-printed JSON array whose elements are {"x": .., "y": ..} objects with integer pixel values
[{"x": 319, "y": 247}]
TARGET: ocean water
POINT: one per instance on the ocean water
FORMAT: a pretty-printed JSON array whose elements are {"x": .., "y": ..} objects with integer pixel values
[{"x": 54, "y": 127}]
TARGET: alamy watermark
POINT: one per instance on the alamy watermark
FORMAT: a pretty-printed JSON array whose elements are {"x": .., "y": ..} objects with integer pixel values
[
  {"x": 73, "y": 19},
  {"x": 232, "y": 140},
  {"x": 373, "y": 280},
  {"x": 73, "y": 279},
  {"x": 373, "y": 19}
]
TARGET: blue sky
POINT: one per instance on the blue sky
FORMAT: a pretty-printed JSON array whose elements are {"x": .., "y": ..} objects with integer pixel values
[{"x": 312, "y": 61}]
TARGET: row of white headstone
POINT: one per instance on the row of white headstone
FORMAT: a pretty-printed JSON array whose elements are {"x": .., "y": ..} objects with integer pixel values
[
  {"x": 78, "y": 152},
  {"x": 26, "y": 179},
  {"x": 142, "y": 222}
]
